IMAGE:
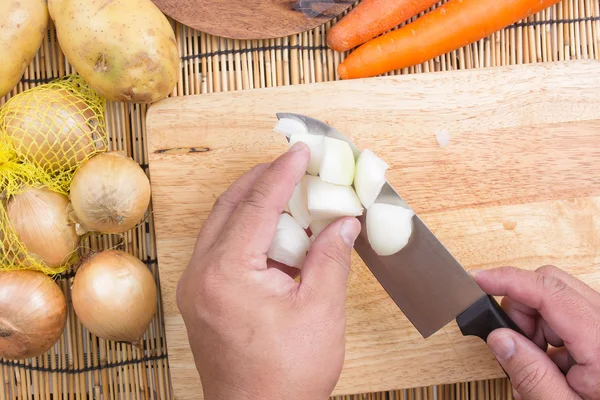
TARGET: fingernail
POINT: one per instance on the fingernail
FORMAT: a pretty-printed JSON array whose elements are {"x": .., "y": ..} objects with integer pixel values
[
  {"x": 297, "y": 147},
  {"x": 503, "y": 346},
  {"x": 349, "y": 231}
]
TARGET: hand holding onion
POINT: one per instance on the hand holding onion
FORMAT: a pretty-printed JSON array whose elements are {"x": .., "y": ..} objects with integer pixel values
[
  {"x": 239, "y": 304},
  {"x": 33, "y": 314},
  {"x": 110, "y": 193}
]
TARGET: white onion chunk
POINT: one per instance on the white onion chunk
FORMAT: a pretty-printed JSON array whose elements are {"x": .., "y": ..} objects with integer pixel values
[
  {"x": 389, "y": 228},
  {"x": 338, "y": 162},
  {"x": 315, "y": 144},
  {"x": 288, "y": 127},
  {"x": 290, "y": 244},
  {"x": 327, "y": 201},
  {"x": 369, "y": 177},
  {"x": 297, "y": 205}
]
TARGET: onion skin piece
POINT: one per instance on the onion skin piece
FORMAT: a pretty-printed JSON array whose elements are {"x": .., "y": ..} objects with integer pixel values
[
  {"x": 115, "y": 296},
  {"x": 33, "y": 314}
]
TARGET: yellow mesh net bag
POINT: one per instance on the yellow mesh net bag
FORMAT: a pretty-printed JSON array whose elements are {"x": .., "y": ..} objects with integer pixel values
[
  {"x": 46, "y": 133},
  {"x": 56, "y": 126}
]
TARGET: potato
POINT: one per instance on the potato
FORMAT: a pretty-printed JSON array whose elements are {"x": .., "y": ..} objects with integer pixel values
[
  {"x": 124, "y": 49},
  {"x": 23, "y": 26}
]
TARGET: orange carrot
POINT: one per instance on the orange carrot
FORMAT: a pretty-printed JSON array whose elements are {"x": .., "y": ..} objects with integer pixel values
[
  {"x": 449, "y": 27},
  {"x": 371, "y": 18}
]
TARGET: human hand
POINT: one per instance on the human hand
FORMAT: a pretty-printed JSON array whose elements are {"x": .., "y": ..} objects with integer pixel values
[
  {"x": 255, "y": 332},
  {"x": 553, "y": 308}
]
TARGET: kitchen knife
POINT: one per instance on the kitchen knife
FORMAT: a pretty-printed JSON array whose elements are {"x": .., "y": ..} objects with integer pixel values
[{"x": 426, "y": 282}]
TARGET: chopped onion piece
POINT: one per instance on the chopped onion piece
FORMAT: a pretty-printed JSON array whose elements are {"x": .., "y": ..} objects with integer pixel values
[
  {"x": 388, "y": 228},
  {"x": 443, "y": 137},
  {"x": 338, "y": 162},
  {"x": 290, "y": 243},
  {"x": 315, "y": 144},
  {"x": 317, "y": 226},
  {"x": 288, "y": 127},
  {"x": 326, "y": 200},
  {"x": 297, "y": 205},
  {"x": 369, "y": 177}
]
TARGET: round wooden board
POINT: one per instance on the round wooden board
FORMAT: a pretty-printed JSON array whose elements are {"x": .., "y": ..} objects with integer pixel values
[{"x": 253, "y": 19}]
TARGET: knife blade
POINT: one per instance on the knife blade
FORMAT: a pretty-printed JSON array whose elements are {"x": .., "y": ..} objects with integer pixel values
[{"x": 424, "y": 279}]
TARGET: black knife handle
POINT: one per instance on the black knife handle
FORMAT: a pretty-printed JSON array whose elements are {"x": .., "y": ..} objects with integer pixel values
[{"x": 484, "y": 317}]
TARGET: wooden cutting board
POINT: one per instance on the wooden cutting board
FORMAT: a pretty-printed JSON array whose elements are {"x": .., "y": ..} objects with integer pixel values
[
  {"x": 257, "y": 19},
  {"x": 519, "y": 184}
]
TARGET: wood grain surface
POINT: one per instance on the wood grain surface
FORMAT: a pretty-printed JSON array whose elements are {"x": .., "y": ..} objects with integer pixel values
[
  {"x": 257, "y": 19},
  {"x": 517, "y": 185}
]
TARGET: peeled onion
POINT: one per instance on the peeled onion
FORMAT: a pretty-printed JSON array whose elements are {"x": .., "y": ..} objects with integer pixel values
[
  {"x": 110, "y": 193},
  {"x": 388, "y": 228},
  {"x": 315, "y": 144},
  {"x": 33, "y": 314},
  {"x": 53, "y": 128},
  {"x": 317, "y": 226},
  {"x": 290, "y": 244},
  {"x": 338, "y": 163},
  {"x": 288, "y": 127},
  {"x": 115, "y": 296},
  {"x": 297, "y": 205},
  {"x": 369, "y": 177},
  {"x": 40, "y": 219},
  {"x": 326, "y": 200}
]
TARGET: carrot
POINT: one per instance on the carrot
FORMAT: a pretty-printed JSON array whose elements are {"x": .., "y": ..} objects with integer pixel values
[
  {"x": 447, "y": 28},
  {"x": 371, "y": 18}
]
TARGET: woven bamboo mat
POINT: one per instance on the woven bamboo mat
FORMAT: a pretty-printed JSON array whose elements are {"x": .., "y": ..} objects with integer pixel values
[{"x": 81, "y": 366}]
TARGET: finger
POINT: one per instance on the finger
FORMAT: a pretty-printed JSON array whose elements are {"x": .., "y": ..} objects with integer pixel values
[
  {"x": 327, "y": 265},
  {"x": 523, "y": 316},
  {"x": 585, "y": 290},
  {"x": 529, "y": 320},
  {"x": 568, "y": 313},
  {"x": 291, "y": 271},
  {"x": 225, "y": 205},
  {"x": 549, "y": 335},
  {"x": 533, "y": 375},
  {"x": 252, "y": 225},
  {"x": 562, "y": 358},
  {"x": 585, "y": 380}
]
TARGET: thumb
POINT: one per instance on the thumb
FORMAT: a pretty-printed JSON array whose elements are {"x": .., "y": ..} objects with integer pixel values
[
  {"x": 532, "y": 373},
  {"x": 327, "y": 265}
]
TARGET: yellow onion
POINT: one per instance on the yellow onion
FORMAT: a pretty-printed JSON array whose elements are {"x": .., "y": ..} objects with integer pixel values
[
  {"x": 110, "y": 193},
  {"x": 53, "y": 128},
  {"x": 33, "y": 314},
  {"x": 40, "y": 219},
  {"x": 115, "y": 296}
]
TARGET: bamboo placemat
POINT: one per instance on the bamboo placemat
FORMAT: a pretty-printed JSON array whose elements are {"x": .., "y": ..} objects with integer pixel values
[{"x": 81, "y": 366}]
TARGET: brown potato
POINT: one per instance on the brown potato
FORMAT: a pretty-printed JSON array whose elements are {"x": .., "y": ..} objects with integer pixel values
[
  {"x": 125, "y": 49},
  {"x": 23, "y": 26}
]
